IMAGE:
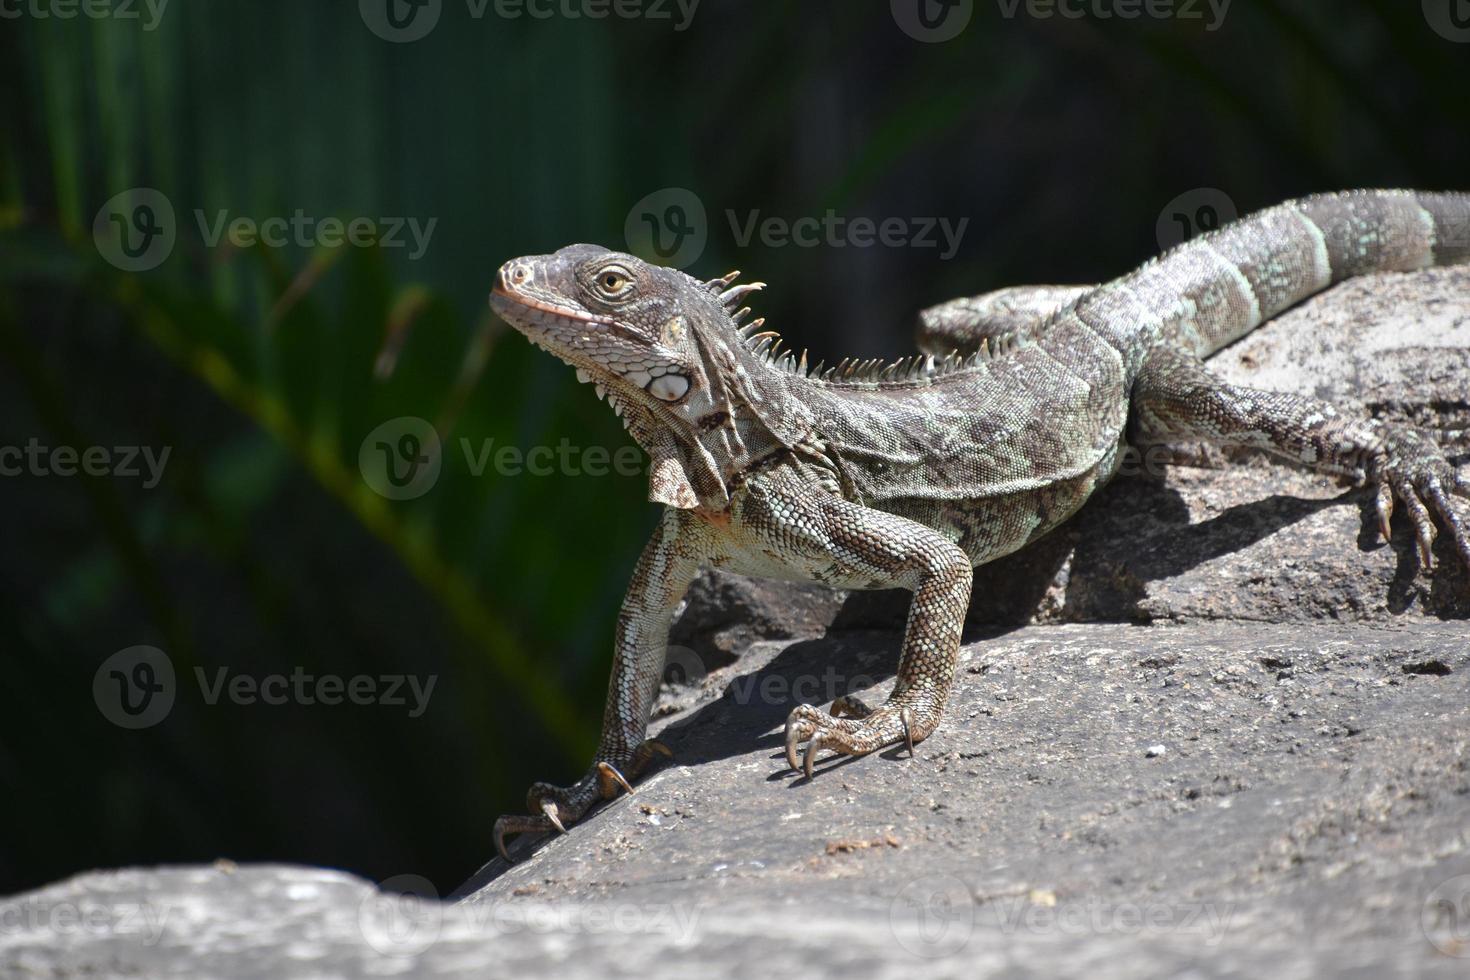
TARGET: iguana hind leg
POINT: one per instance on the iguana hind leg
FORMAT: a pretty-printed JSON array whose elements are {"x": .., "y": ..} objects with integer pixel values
[{"x": 1176, "y": 397}]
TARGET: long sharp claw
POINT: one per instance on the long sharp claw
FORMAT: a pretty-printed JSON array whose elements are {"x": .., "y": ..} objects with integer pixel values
[
  {"x": 499, "y": 836},
  {"x": 812, "y": 748},
  {"x": 793, "y": 735},
  {"x": 1423, "y": 524},
  {"x": 1385, "y": 510},
  {"x": 518, "y": 823},
  {"x": 608, "y": 775},
  {"x": 549, "y": 808},
  {"x": 908, "y": 733},
  {"x": 1441, "y": 503}
]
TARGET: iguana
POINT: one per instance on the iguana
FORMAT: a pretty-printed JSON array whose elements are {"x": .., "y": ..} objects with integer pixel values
[{"x": 908, "y": 474}]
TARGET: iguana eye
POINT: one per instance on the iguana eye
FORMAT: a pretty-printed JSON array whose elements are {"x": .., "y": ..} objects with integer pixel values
[{"x": 613, "y": 281}]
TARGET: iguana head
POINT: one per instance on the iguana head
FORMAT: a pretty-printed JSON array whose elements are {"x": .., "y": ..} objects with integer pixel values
[{"x": 663, "y": 348}]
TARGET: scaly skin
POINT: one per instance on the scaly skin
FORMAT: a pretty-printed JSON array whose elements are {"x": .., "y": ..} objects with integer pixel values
[{"x": 871, "y": 476}]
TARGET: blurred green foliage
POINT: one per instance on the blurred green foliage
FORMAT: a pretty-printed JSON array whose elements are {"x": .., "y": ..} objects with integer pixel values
[{"x": 263, "y": 369}]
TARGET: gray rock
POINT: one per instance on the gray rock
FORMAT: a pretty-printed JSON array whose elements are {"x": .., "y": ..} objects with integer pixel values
[
  {"x": 1312, "y": 816},
  {"x": 1309, "y": 814},
  {"x": 723, "y": 614},
  {"x": 1316, "y": 785}
]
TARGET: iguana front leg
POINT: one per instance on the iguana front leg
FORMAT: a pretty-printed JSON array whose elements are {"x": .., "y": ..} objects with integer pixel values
[
  {"x": 1176, "y": 397},
  {"x": 672, "y": 558},
  {"x": 785, "y": 528}
]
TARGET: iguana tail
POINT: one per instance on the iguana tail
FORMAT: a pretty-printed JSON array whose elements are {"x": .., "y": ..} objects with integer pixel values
[{"x": 1214, "y": 289}]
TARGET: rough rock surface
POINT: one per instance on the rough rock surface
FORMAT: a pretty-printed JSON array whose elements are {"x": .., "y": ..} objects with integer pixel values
[
  {"x": 1209, "y": 727},
  {"x": 1214, "y": 799}
]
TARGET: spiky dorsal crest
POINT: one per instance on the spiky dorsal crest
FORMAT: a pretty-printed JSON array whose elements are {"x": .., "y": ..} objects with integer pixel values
[
  {"x": 917, "y": 369},
  {"x": 730, "y": 295},
  {"x": 719, "y": 285}
]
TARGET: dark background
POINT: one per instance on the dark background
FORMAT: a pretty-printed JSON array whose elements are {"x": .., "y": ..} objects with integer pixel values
[{"x": 1064, "y": 142}]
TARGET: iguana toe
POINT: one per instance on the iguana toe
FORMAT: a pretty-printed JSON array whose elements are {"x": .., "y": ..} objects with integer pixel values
[
  {"x": 549, "y": 809},
  {"x": 801, "y": 725},
  {"x": 609, "y": 779},
  {"x": 893, "y": 722},
  {"x": 645, "y": 752},
  {"x": 554, "y": 807},
  {"x": 812, "y": 748},
  {"x": 850, "y": 706},
  {"x": 1440, "y": 500},
  {"x": 559, "y": 806},
  {"x": 521, "y": 823},
  {"x": 1413, "y": 470},
  {"x": 1385, "y": 511}
]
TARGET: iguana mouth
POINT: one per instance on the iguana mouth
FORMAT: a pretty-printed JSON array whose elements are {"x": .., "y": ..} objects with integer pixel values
[
  {"x": 662, "y": 382},
  {"x": 539, "y": 310}
]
